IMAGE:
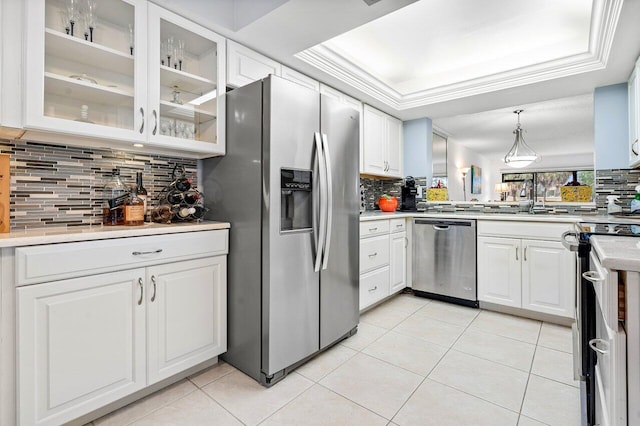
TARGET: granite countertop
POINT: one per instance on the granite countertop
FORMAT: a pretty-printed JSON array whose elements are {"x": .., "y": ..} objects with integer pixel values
[
  {"x": 522, "y": 217},
  {"x": 615, "y": 252},
  {"x": 53, "y": 235}
]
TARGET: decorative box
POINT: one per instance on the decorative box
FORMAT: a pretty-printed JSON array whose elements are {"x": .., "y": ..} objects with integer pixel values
[
  {"x": 579, "y": 194},
  {"x": 437, "y": 194}
]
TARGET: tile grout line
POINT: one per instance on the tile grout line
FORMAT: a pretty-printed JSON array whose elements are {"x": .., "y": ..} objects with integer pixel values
[
  {"x": 160, "y": 407},
  {"x": 533, "y": 359}
]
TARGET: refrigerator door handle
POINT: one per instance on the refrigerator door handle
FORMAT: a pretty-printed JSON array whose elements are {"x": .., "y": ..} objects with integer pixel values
[
  {"x": 322, "y": 233},
  {"x": 329, "y": 203}
]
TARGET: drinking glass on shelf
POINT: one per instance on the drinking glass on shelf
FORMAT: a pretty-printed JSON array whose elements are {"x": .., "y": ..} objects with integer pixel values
[
  {"x": 169, "y": 50},
  {"x": 85, "y": 22},
  {"x": 72, "y": 14},
  {"x": 180, "y": 53},
  {"x": 91, "y": 17},
  {"x": 131, "y": 38},
  {"x": 64, "y": 20},
  {"x": 163, "y": 51}
]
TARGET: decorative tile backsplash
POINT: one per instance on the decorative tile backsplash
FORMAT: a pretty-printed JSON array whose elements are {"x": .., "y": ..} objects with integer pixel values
[
  {"x": 56, "y": 185},
  {"x": 620, "y": 182}
]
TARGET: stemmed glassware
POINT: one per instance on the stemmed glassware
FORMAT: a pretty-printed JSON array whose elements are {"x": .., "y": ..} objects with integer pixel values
[
  {"x": 180, "y": 53},
  {"x": 169, "y": 50},
  {"x": 64, "y": 19},
  {"x": 131, "y": 38},
  {"x": 163, "y": 51},
  {"x": 72, "y": 14},
  {"x": 90, "y": 17}
]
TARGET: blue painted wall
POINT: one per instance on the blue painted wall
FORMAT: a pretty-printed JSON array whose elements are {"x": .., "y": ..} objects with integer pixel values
[
  {"x": 611, "y": 127},
  {"x": 417, "y": 147}
]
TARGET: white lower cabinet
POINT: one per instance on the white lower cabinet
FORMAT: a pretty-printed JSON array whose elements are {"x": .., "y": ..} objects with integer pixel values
[
  {"x": 186, "y": 315},
  {"x": 81, "y": 345},
  {"x": 383, "y": 259},
  {"x": 88, "y": 341},
  {"x": 398, "y": 262},
  {"x": 537, "y": 275}
]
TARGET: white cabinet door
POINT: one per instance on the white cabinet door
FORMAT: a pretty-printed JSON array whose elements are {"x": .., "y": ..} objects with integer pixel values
[
  {"x": 76, "y": 86},
  {"x": 374, "y": 286},
  {"x": 81, "y": 345},
  {"x": 398, "y": 261},
  {"x": 548, "y": 278},
  {"x": 499, "y": 267},
  {"x": 301, "y": 79},
  {"x": 374, "y": 155},
  {"x": 245, "y": 66},
  {"x": 634, "y": 118},
  {"x": 394, "y": 147},
  {"x": 186, "y": 313},
  {"x": 186, "y": 106}
]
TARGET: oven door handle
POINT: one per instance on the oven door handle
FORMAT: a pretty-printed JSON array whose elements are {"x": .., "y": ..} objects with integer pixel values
[
  {"x": 592, "y": 276},
  {"x": 570, "y": 244},
  {"x": 593, "y": 344}
]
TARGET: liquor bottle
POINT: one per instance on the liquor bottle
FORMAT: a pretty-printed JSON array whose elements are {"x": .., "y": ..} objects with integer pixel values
[
  {"x": 142, "y": 193},
  {"x": 134, "y": 208},
  {"x": 114, "y": 195}
]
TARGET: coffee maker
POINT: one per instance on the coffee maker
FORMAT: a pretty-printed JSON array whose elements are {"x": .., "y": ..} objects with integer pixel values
[{"x": 409, "y": 192}]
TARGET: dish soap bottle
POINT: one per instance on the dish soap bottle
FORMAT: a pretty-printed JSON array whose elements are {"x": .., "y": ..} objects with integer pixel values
[
  {"x": 635, "y": 203},
  {"x": 612, "y": 207}
]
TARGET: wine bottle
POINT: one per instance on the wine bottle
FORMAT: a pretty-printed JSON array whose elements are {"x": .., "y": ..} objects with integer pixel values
[
  {"x": 191, "y": 197},
  {"x": 199, "y": 212},
  {"x": 184, "y": 213},
  {"x": 142, "y": 193},
  {"x": 183, "y": 184},
  {"x": 175, "y": 197}
]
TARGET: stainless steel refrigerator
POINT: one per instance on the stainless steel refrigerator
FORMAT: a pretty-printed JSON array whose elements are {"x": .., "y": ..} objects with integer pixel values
[{"x": 289, "y": 186}]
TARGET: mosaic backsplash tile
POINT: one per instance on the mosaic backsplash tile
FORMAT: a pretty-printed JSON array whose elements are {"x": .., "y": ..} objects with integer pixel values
[
  {"x": 56, "y": 185},
  {"x": 620, "y": 182}
]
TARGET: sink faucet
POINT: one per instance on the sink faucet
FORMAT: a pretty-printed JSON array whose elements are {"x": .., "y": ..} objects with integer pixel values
[{"x": 528, "y": 193}]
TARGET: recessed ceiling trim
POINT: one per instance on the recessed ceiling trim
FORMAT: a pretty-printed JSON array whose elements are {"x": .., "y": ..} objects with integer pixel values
[{"x": 604, "y": 20}]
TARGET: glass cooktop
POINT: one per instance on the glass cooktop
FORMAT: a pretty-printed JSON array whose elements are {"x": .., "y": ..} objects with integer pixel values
[{"x": 621, "y": 229}]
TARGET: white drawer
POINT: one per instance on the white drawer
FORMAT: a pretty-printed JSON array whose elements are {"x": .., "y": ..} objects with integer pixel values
[
  {"x": 374, "y": 253},
  {"x": 398, "y": 225},
  {"x": 374, "y": 286},
  {"x": 52, "y": 262},
  {"x": 374, "y": 227},
  {"x": 518, "y": 229}
]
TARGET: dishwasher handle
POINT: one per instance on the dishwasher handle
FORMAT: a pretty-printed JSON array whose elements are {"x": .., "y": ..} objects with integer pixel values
[
  {"x": 443, "y": 223},
  {"x": 441, "y": 228}
]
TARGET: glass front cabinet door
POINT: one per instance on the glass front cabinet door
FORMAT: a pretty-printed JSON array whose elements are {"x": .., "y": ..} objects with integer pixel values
[
  {"x": 186, "y": 83},
  {"x": 125, "y": 72}
]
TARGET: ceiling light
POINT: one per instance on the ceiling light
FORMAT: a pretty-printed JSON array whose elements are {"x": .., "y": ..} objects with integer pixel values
[{"x": 520, "y": 155}]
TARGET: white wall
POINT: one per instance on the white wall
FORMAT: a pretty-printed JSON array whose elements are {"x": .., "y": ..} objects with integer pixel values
[{"x": 457, "y": 157}]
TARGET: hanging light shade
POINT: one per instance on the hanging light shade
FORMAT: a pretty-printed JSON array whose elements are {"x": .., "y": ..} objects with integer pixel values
[{"x": 520, "y": 155}]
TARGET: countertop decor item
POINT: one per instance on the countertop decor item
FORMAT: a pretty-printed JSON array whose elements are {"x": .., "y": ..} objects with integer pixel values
[
  {"x": 387, "y": 203},
  {"x": 179, "y": 200},
  {"x": 576, "y": 193},
  {"x": 520, "y": 155}
]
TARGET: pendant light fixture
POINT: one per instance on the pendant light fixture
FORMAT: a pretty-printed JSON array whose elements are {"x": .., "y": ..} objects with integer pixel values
[{"x": 520, "y": 155}]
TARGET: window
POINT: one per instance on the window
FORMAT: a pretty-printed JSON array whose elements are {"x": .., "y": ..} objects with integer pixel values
[{"x": 546, "y": 185}]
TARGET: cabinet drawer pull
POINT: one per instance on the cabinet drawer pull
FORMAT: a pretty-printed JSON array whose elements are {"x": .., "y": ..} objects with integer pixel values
[
  {"x": 592, "y": 276},
  {"x": 142, "y": 114},
  {"x": 373, "y": 229},
  {"x": 374, "y": 288},
  {"x": 153, "y": 281},
  {"x": 634, "y": 147},
  {"x": 517, "y": 253},
  {"x": 141, "y": 291},
  {"x": 593, "y": 344},
  {"x": 140, "y": 253},
  {"x": 373, "y": 254},
  {"x": 525, "y": 253},
  {"x": 400, "y": 225}
]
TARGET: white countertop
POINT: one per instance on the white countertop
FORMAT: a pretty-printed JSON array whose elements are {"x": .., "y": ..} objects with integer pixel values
[
  {"x": 522, "y": 217},
  {"x": 614, "y": 252},
  {"x": 53, "y": 235}
]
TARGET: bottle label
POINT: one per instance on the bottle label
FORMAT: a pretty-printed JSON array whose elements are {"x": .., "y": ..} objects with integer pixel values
[
  {"x": 118, "y": 201},
  {"x": 134, "y": 213}
]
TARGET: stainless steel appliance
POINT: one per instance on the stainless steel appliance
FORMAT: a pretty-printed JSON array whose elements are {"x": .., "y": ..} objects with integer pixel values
[
  {"x": 588, "y": 328},
  {"x": 288, "y": 185},
  {"x": 444, "y": 260}
]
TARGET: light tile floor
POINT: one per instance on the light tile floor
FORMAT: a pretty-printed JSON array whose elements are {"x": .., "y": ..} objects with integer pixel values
[{"x": 413, "y": 362}]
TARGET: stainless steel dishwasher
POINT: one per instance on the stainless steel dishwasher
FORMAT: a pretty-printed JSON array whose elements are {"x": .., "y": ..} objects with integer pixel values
[{"x": 444, "y": 260}]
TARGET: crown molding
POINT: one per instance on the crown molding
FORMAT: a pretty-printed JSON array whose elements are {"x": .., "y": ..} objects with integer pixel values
[{"x": 604, "y": 20}]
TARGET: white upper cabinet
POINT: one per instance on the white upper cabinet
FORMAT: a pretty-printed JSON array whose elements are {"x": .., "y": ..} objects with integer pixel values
[
  {"x": 634, "y": 118},
  {"x": 82, "y": 87},
  {"x": 10, "y": 69},
  {"x": 245, "y": 66},
  {"x": 106, "y": 81},
  {"x": 186, "y": 84},
  {"x": 382, "y": 144}
]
